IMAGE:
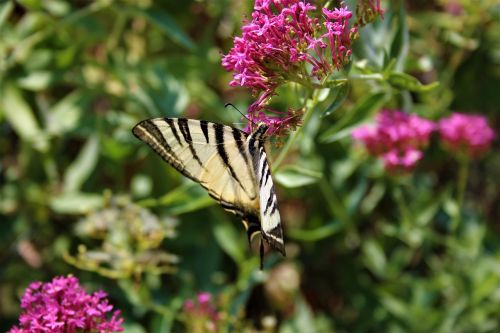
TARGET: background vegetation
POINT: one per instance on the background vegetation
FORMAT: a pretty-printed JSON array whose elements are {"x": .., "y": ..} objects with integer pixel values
[{"x": 368, "y": 251}]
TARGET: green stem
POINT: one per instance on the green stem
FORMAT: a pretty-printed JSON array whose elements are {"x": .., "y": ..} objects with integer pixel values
[
  {"x": 50, "y": 168},
  {"x": 402, "y": 204},
  {"x": 463, "y": 174},
  {"x": 375, "y": 76},
  {"x": 117, "y": 30},
  {"x": 293, "y": 137},
  {"x": 335, "y": 205}
]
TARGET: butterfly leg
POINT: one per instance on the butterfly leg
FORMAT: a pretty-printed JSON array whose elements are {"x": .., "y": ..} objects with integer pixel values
[{"x": 261, "y": 254}]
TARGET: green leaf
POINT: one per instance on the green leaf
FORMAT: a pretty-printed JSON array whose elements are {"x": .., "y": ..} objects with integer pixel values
[
  {"x": 76, "y": 203},
  {"x": 427, "y": 211},
  {"x": 296, "y": 176},
  {"x": 340, "y": 94},
  {"x": 374, "y": 257},
  {"x": 22, "y": 119},
  {"x": 167, "y": 24},
  {"x": 192, "y": 205},
  {"x": 161, "y": 323},
  {"x": 229, "y": 240},
  {"x": 408, "y": 82},
  {"x": 186, "y": 198},
  {"x": 400, "y": 42},
  {"x": 355, "y": 196},
  {"x": 394, "y": 306},
  {"x": 362, "y": 110},
  {"x": 134, "y": 328},
  {"x": 65, "y": 115},
  {"x": 5, "y": 10},
  {"x": 484, "y": 288},
  {"x": 372, "y": 198},
  {"x": 316, "y": 234},
  {"x": 451, "y": 207},
  {"x": 342, "y": 134},
  {"x": 57, "y": 7},
  {"x": 81, "y": 168},
  {"x": 36, "y": 81}
]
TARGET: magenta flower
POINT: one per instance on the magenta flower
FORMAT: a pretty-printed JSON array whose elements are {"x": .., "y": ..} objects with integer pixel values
[
  {"x": 466, "y": 134},
  {"x": 375, "y": 7},
  {"x": 397, "y": 137},
  {"x": 282, "y": 38},
  {"x": 201, "y": 314},
  {"x": 284, "y": 41},
  {"x": 204, "y": 298},
  {"x": 63, "y": 306},
  {"x": 278, "y": 125},
  {"x": 401, "y": 159}
]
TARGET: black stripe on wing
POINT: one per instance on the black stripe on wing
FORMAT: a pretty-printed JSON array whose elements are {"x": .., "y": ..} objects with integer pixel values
[
  {"x": 264, "y": 166},
  {"x": 221, "y": 150},
  {"x": 240, "y": 143},
  {"x": 148, "y": 132},
  {"x": 272, "y": 238},
  {"x": 256, "y": 140},
  {"x": 271, "y": 202},
  {"x": 268, "y": 174},
  {"x": 204, "y": 129},
  {"x": 171, "y": 124},
  {"x": 184, "y": 127}
]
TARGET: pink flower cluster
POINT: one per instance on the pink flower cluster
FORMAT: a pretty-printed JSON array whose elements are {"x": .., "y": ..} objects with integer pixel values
[
  {"x": 278, "y": 125},
  {"x": 285, "y": 42},
  {"x": 466, "y": 134},
  {"x": 397, "y": 137},
  {"x": 63, "y": 306},
  {"x": 201, "y": 312}
]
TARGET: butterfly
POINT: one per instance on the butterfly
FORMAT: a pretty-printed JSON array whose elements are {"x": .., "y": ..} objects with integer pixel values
[{"x": 230, "y": 164}]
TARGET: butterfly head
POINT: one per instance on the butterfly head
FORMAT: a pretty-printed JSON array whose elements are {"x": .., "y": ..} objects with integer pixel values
[
  {"x": 260, "y": 132},
  {"x": 262, "y": 127}
]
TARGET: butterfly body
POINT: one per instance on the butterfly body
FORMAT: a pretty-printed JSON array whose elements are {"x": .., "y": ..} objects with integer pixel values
[{"x": 230, "y": 164}]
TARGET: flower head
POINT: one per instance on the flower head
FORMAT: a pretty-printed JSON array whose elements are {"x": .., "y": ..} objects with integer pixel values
[
  {"x": 397, "y": 137},
  {"x": 201, "y": 314},
  {"x": 63, "y": 306},
  {"x": 284, "y": 36},
  {"x": 204, "y": 298},
  {"x": 287, "y": 40},
  {"x": 367, "y": 11},
  {"x": 466, "y": 134}
]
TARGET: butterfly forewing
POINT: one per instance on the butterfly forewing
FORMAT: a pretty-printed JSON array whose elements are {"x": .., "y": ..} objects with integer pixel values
[{"x": 199, "y": 150}]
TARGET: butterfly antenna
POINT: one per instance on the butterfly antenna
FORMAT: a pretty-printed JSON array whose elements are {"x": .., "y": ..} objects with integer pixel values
[{"x": 234, "y": 107}]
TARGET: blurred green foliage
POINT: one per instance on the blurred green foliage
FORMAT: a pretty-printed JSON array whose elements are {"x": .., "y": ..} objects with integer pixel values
[{"x": 368, "y": 252}]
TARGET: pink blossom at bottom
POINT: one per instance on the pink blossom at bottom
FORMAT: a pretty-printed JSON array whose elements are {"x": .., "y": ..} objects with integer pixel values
[
  {"x": 204, "y": 298},
  {"x": 201, "y": 312},
  {"x": 63, "y": 306}
]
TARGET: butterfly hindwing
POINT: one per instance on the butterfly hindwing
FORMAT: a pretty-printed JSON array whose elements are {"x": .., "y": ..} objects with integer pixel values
[{"x": 268, "y": 203}]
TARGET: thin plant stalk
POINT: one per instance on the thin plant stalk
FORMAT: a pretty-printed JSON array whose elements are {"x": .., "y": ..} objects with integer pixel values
[
  {"x": 463, "y": 175},
  {"x": 293, "y": 137}
]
